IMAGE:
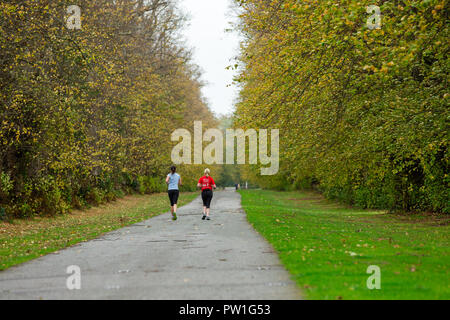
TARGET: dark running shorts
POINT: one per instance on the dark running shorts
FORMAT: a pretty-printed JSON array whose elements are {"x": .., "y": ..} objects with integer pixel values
[
  {"x": 173, "y": 196},
  {"x": 207, "y": 195}
]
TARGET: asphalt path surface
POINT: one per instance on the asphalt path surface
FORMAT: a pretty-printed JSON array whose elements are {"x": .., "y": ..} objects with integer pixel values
[{"x": 224, "y": 258}]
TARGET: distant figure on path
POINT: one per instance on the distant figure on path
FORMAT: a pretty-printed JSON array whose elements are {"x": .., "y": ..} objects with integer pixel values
[
  {"x": 207, "y": 184},
  {"x": 173, "y": 181}
]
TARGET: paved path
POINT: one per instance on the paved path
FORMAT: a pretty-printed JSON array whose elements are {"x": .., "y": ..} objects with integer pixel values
[{"x": 223, "y": 258}]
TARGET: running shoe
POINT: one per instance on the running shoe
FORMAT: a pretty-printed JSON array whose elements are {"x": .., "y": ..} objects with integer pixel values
[
  {"x": 204, "y": 217},
  {"x": 174, "y": 216},
  {"x": 207, "y": 218}
]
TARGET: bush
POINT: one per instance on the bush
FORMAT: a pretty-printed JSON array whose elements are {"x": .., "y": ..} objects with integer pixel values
[
  {"x": 6, "y": 185},
  {"x": 77, "y": 202},
  {"x": 149, "y": 184},
  {"x": 140, "y": 185},
  {"x": 119, "y": 193},
  {"x": 50, "y": 200},
  {"x": 95, "y": 196},
  {"x": 3, "y": 216},
  {"x": 25, "y": 210}
]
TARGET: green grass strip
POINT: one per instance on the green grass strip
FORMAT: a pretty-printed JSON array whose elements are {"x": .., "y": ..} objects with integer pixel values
[{"x": 327, "y": 247}]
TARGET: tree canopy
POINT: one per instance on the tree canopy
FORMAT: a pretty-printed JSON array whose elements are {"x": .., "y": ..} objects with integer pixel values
[
  {"x": 362, "y": 112},
  {"x": 86, "y": 114}
]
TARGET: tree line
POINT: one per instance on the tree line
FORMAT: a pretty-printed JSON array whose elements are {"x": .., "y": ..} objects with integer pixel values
[
  {"x": 362, "y": 112},
  {"x": 86, "y": 114}
]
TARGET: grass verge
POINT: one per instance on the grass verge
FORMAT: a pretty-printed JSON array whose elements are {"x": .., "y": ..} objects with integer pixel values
[
  {"x": 26, "y": 239},
  {"x": 328, "y": 247}
]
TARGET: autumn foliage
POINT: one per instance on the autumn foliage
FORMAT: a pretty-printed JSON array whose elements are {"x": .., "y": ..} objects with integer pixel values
[
  {"x": 363, "y": 113},
  {"x": 86, "y": 115}
]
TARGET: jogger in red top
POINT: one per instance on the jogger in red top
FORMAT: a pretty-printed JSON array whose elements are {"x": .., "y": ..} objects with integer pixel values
[{"x": 207, "y": 184}]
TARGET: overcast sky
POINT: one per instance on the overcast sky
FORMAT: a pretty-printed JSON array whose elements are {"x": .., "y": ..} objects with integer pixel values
[{"x": 214, "y": 49}]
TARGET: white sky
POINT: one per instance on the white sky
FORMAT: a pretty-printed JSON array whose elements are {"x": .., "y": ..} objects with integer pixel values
[{"x": 213, "y": 49}]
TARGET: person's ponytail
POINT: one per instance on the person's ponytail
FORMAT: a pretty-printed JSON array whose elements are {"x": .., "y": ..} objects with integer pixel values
[{"x": 173, "y": 169}]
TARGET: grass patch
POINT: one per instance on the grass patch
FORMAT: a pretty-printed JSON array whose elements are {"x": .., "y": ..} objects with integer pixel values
[
  {"x": 327, "y": 247},
  {"x": 26, "y": 239}
]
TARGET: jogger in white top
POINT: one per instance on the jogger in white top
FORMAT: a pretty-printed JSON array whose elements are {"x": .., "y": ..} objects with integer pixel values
[{"x": 173, "y": 181}]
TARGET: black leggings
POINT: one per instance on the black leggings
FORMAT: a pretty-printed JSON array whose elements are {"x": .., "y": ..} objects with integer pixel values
[
  {"x": 207, "y": 195},
  {"x": 173, "y": 196}
]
